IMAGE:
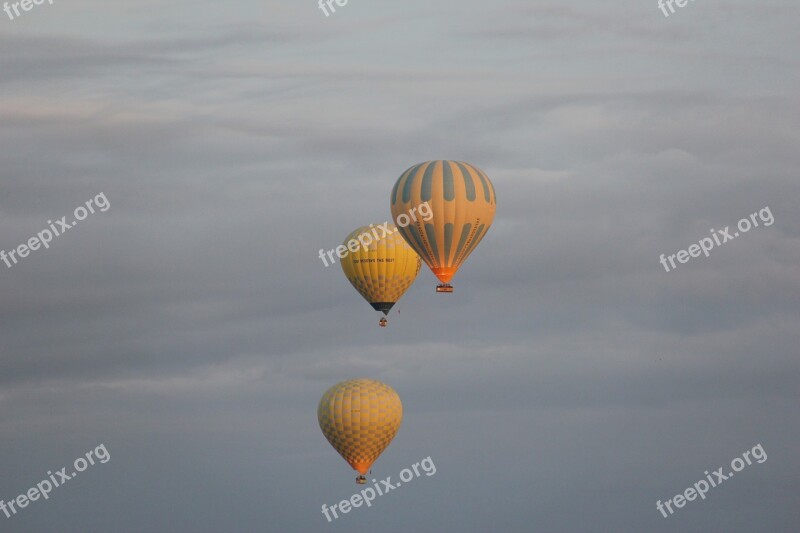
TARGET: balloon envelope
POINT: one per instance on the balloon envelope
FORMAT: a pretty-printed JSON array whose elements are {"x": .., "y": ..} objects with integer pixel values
[
  {"x": 383, "y": 270},
  {"x": 461, "y": 205},
  {"x": 360, "y": 417}
]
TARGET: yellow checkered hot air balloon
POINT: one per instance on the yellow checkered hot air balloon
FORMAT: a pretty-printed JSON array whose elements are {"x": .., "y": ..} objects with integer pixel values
[
  {"x": 360, "y": 417},
  {"x": 462, "y": 202},
  {"x": 380, "y": 265}
]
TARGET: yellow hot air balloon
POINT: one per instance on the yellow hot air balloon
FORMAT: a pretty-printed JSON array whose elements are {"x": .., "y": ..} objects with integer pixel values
[
  {"x": 382, "y": 267},
  {"x": 360, "y": 417},
  {"x": 462, "y": 202}
]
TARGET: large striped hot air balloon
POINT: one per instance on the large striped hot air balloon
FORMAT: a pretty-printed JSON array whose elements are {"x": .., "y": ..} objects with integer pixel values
[
  {"x": 383, "y": 269},
  {"x": 360, "y": 417},
  {"x": 462, "y": 201}
]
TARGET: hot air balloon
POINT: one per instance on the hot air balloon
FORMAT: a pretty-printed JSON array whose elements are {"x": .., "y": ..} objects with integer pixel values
[
  {"x": 462, "y": 201},
  {"x": 360, "y": 417},
  {"x": 382, "y": 267}
]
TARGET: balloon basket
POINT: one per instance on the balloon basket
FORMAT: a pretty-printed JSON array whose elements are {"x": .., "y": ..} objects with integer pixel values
[
  {"x": 382, "y": 322},
  {"x": 444, "y": 287},
  {"x": 361, "y": 480}
]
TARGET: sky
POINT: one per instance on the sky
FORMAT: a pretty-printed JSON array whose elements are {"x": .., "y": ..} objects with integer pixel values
[{"x": 567, "y": 385}]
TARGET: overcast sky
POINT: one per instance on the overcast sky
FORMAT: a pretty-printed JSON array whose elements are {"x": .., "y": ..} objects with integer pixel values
[{"x": 566, "y": 385}]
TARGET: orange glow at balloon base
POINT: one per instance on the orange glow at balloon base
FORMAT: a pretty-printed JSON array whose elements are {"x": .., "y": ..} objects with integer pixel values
[
  {"x": 361, "y": 468},
  {"x": 445, "y": 274}
]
